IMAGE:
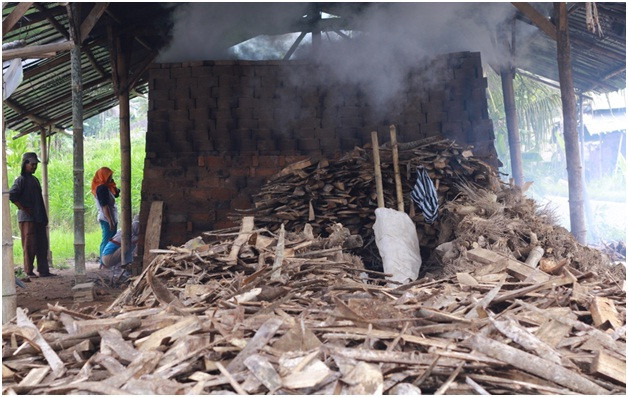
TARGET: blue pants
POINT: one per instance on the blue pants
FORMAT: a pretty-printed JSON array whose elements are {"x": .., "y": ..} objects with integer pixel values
[{"x": 106, "y": 235}]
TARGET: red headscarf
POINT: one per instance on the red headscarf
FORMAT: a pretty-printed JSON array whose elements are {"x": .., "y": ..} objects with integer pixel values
[{"x": 102, "y": 178}]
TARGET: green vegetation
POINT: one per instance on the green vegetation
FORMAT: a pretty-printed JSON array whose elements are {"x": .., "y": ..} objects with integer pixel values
[{"x": 101, "y": 149}]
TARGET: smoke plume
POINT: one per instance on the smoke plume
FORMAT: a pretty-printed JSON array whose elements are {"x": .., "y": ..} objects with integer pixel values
[{"x": 388, "y": 39}]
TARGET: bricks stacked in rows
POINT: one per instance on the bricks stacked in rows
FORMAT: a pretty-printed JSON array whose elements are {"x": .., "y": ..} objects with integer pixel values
[{"x": 226, "y": 112}]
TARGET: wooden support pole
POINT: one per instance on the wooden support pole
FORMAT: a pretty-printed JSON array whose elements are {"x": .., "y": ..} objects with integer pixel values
[
  {"x": 125, "y": 142},
  {"x": 125, "y": 177},
  {"x": 9, "y": 300},
  {"x": 395, "y": 156},
  {"x": 77, "y": 133},
  {"x": 514, "y": 141},
  {"x": 570, "y": 126},
  {"x": 45, "y": 188},
  {"x": 378, "y": 170}
]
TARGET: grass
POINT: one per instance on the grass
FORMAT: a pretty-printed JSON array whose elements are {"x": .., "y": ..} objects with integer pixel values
[{"x": 62, "y": 247}]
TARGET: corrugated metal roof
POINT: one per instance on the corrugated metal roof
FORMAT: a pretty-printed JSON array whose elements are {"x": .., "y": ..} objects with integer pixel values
[{"x": 43, "y": 100}]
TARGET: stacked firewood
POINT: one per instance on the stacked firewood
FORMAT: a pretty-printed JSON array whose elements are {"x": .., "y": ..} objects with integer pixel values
[
  {"x": 253, "y": 311},
  {"x": 326, "y": 192}
]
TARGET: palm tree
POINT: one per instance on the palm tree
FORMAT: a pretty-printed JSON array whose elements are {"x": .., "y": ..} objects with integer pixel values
[{"x": 538, "y": 111}]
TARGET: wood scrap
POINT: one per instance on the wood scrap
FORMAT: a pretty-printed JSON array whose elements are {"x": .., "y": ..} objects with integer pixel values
[{"x": 322, "y": 319}]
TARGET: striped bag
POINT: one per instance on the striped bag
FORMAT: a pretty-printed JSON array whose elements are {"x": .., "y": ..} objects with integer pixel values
[{"x": 424, "y": 195}]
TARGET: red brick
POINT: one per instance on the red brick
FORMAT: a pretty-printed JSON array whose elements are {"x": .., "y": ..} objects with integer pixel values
[{"x": 215, "y": 162}]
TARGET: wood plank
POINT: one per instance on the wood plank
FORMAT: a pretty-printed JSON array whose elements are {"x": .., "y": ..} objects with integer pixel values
[
  {"x": 35, "y": 376},
  {"x": 30, "y": 332},
  {"x": 243, "y": 237},
  {"x": 514, "y": 267},
  {"x": 153, "y": 231},
  {"x": 261, "y": 338},
  {"x": 610, "y": 366},
  {"x": 263, "y": 370},
  {"x": 603, "y": 310},
  {"x": 185, "y": 326}
]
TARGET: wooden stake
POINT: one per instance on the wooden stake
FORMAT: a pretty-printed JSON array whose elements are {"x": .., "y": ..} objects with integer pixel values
[
  {"x": 378, "y": 171},
  {"x": 395, "y": 153}
]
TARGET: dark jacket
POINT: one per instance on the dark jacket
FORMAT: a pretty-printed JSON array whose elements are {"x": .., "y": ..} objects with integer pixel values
[{"x": 27, "y": 191}]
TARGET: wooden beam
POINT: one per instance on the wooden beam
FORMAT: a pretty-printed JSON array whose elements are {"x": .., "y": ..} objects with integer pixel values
[
  {"x": 609, "y": 75},
  {"x": 13, "y": 18},
  {"x": 40, "y": 122},
  {"x": 53, "y": 21},
  {"x": 34, "y": 71},
  {"x": 91, "y": 19},
  {"x": 142, "y": 69},
  {"x": 37, "y": 51},
  {"x": 537, "y": 18},
  {"x": 294, "y": 46},
  {"x": 113, "y": 55}
]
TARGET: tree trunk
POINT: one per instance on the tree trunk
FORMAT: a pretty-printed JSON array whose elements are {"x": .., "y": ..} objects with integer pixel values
[
  {"x": 514, "y": 142},
  {"x": 77, "y": 133},
  {"x": 570, "y": 126}
]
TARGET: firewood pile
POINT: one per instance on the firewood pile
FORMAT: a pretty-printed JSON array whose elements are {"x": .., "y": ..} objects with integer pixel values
[
  {"x": 253, "y": 311},
  {"x": 324, "y": 192}
]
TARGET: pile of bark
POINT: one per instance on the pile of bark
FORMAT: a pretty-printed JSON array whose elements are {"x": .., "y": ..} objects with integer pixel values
[
  {"x": 324, "y": 192},
  {"x": 252, "y": 311}
]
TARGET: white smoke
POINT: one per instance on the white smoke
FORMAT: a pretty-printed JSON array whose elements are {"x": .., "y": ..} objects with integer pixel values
[{"x": 388, "y": 39}]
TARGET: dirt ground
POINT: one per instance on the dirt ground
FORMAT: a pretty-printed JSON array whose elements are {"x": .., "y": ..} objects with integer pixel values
[{"x": 41, "y": 291}]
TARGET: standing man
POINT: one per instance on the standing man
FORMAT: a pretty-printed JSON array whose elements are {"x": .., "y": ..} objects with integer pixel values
[{"x": 26, "y": 195}]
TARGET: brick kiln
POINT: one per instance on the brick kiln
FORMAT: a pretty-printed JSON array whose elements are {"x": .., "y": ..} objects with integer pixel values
[{"x": 218, "y": 129}]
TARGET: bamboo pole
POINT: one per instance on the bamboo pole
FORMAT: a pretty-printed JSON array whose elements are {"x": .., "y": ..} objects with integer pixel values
[
  {"x": 9, "y": 300},
  {"x": 378, "y": 170},
  {"x": 570, "y": 126},
  {"x": 44, "y": 153},
  {"x": 77, "y": 133},
  {"x": 395, "y": 156}
]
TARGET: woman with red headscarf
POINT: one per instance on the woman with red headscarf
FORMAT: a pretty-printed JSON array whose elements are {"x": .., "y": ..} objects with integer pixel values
[{"x": 105, "y": 192}]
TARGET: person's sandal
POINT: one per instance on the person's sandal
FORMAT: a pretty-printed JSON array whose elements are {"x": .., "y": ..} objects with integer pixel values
[
  {"x": 47, "y": 275},
  {"x": 32, "y": 275}
]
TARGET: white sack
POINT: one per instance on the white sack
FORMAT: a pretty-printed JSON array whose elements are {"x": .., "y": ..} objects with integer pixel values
[
  {"x": 398, "y": 244},
  {"x": 11, "y": 77}
]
